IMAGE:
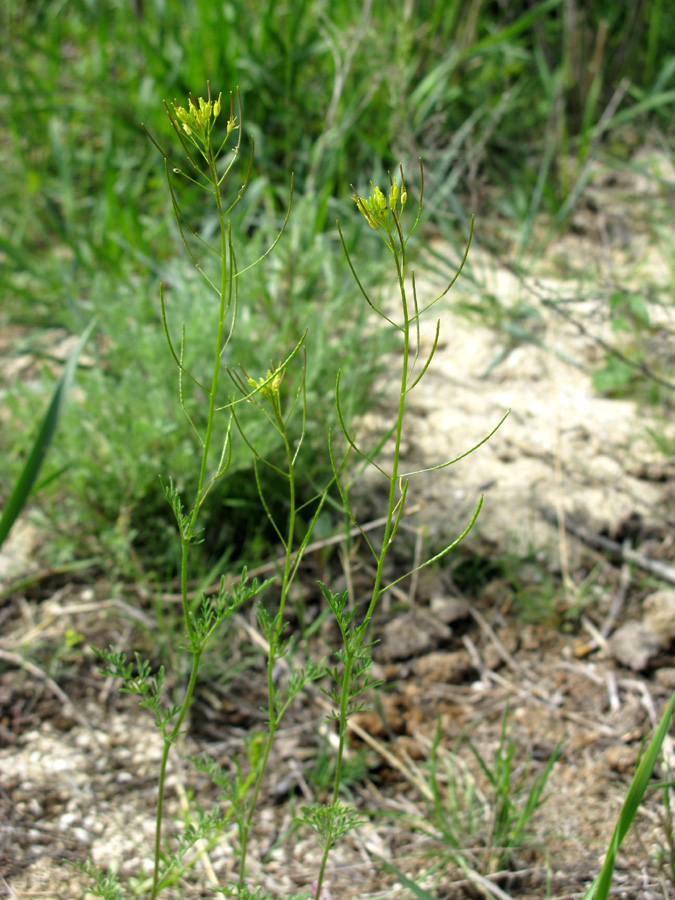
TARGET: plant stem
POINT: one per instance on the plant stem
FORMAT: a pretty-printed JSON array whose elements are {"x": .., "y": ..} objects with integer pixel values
[
  {"x": 274, "y": 718},
  {"x": 399, "y": 258},
  {"x": 169, "y": 740},
  {"x": 353, "y": 648},
  {"x": 187, "y": 535}
]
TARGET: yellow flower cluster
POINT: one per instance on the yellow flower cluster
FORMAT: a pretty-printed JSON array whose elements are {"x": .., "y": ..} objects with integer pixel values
[
  {"x": 200, "y": 116},
  {"x": 377, "y": 208},
  {"x": 269, "y": 385}
]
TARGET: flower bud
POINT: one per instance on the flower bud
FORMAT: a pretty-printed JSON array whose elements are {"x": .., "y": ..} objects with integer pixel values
[
  {"x": 379, "y": 200},
  {"x": 365, "y": 210},
  {"x": 216, "y": 106}
]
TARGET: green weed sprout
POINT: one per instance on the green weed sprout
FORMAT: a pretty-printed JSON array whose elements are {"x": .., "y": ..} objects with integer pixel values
[
  {"x": 350, "y": 676},
  {"x": 500, "y": 824},
  {"x": 479, "y": 832}
]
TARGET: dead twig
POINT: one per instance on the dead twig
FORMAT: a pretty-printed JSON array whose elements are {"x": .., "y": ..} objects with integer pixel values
[
  {"x": 15, "y": 660},
  {"x": 612, "y": 548},
  {"x": 620, "y": 596},
  {"x": 499, "y": 646},
  {"x": 486, "y": 886}
]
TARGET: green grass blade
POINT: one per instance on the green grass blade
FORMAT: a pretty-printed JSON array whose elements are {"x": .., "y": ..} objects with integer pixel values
[
  {"x": 659, "y": 102},
  {"x": 509, "y": 32},
  {"x": 599, "y": 890},
  {"x": 415, "y": 889},
  {"x": 36, "y": 457}
]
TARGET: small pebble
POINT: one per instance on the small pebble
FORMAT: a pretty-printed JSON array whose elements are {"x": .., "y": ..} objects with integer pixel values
[
  {"x": 658, "y": 615},
  {"x": 634, "y": 646}
]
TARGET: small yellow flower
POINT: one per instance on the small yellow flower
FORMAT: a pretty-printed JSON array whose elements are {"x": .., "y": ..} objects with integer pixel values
[
  {"x": 377, "y": 208},
  {"x": 379, "y": 204},
  {"x": 269, "y": 385},
  {"x": 199, "y": 118},
  {"x": 364, "y": 209}
]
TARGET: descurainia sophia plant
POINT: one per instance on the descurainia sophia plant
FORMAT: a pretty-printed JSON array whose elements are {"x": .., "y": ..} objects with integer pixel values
[{"x": 224, "y": 393}]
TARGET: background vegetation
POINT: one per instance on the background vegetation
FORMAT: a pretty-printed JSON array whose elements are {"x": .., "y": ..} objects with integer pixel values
[{"x": 517, "y": 96}]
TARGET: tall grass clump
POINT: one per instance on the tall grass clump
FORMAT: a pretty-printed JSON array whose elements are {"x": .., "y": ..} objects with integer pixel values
[{"x": 240, "y": 404}]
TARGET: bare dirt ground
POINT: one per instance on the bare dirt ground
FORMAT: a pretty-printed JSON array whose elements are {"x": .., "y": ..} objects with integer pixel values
[{"x": 533, "y": 613}]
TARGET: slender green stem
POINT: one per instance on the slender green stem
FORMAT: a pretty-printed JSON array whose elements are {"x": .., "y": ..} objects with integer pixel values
[
  {"x": 185, "y": 546},
  {"x": 223, "y": 305},
  {"x": 351, "y": 650},
  {"x": 393, "y": 478},
  {"x": 322, "y": 869},
  {"x": 254, "y": 802},
  {"x": 169, "y": 740},
  {"x": 187, "y": 535},
  {"x": 274, "y": 718}
]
